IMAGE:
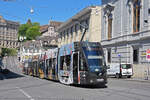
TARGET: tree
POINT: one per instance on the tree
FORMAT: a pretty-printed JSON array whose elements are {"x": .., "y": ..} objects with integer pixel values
[
  {"x": 30, "y": 30},
  {"x": 8, "y": 52},
  {"x": 23, "y": 28}
]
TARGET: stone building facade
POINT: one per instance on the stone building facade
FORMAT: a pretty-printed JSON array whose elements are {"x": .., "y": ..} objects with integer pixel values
[
  {"x": 49, "y": 33},
  {"x": 126, "y": 33},
  {"x": 8, "y": 33},
  {"x": 72, "y": 30}
]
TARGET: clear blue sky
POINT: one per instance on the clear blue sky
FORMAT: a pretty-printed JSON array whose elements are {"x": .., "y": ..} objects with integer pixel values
[{"x": 44, "y": 10}]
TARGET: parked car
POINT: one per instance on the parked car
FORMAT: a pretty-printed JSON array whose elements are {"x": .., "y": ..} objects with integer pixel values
[{"x": 119, "y": 70}]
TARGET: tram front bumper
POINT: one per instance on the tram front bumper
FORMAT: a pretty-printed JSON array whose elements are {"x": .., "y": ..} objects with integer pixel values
[{"x": 93, "y": 80}]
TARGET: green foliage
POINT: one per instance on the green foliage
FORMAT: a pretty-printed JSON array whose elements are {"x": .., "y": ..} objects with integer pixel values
[
  {"x": 35, "y": 24},
  {"x": 8, "y": 52},
  {"x": 30, "y": 30}
]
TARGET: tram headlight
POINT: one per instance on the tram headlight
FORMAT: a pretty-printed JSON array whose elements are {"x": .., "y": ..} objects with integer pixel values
[
  {"x": 96, "y": 70},
  {"x": 83, "y": 75},
  {"x": 91, "y": 81},
  {"x": 100, "y": 74}
]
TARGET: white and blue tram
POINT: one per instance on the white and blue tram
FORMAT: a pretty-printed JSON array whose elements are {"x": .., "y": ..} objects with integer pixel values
[
  {"x": 82, "y": 63},
  {"x": 76, "y": 63}
]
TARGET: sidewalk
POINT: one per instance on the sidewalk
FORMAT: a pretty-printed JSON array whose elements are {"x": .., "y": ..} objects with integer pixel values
[{"x": 139, "y": 80}]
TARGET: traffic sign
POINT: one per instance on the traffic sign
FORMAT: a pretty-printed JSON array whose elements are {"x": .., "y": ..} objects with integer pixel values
[{"x": 148, "y": 54}]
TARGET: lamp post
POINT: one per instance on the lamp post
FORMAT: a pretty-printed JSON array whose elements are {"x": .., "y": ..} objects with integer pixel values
[
  {"x": 119, "y": 55},
  {"x": 21, "y": 39}
]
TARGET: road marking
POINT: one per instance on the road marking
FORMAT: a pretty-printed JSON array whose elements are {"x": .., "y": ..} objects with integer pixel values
[{"x": 25, "y": 93}]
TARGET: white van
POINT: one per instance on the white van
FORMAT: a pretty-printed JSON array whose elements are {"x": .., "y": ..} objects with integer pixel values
[{"x": 119, "y": 70}]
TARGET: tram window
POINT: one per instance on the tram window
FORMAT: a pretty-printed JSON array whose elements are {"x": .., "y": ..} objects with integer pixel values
[
  {"x": 68, "y": 61},
  {"x": 42, "y": 64},
  {"x": 47, "y": 62},
  {"x": 54, "y": 62},
  {"x": 50, "y": 62},
  {"x": 61, "y": 62},
  {"x": 83, "y": 66},
  {"x": 30, "y": 64},
  {"x": 34, "y": 64},
  {"x": 65, "y": 62}
]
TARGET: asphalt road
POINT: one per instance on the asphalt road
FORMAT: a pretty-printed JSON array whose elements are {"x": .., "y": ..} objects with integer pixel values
[
  {"x": 32, "y": 88},
  {"x": 20, "y": 87}
]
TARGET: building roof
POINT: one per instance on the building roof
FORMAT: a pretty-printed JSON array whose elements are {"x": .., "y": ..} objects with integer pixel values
[
  {"x": 48, "y": 38},
  {"x": 2, "y": 20},
  {"x": 55, "y": 23},
  {"x": 44, "y": 28}
]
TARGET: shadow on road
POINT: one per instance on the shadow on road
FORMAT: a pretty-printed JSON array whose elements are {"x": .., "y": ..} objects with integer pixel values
[
  {"x": 91, "y": 86},
  {"x": 10, "y": 75}
]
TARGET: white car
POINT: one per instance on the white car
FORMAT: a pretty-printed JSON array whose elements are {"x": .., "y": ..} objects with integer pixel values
[{"x": 119, "y": 70}]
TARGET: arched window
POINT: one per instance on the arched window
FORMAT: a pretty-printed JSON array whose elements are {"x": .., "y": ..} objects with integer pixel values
[{"x": 136, "y": 15}]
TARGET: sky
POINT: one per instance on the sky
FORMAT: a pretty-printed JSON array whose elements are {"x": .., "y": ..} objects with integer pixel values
[{"x": 44, "y": 10}]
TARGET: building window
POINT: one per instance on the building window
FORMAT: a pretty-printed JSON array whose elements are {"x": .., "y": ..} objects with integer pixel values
[
  {"x": 136, "y": 15},
  {"x": 61, "y": 35},
  {"x": 87, "y": 22},
  {"x": 110, "y": 26},
  {"x": 81, "y": 27},
  {"x": 68, "y": 33},
  {"x": 135, "y": 55},
  {"x": 76, "y": 28},
  {"x": 64, "y": 34},
  {"x": 71, "y": 33},
  {"x": 109, "y": 56}
]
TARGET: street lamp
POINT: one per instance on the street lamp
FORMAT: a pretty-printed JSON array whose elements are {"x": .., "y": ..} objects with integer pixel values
[
  {"x": 21, "y": 38},
  {"x": 119, "y": 55},
  {"x": 84, "y": 26}
]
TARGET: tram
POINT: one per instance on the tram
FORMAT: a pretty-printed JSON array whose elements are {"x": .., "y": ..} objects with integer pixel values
[
  {"x": 51, "y": 69},
  {"x": 76, "y": 63},
  {"x": 82, "y": 63}
]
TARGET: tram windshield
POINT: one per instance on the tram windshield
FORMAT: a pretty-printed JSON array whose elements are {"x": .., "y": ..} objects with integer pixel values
[{"x": 94, "y": 55}]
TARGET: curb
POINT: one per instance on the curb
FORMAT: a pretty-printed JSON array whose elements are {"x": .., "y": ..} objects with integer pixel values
[{"x": 139, "y": 80}]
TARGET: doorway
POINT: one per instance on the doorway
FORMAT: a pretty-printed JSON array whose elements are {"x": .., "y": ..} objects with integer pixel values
[
  {"x": 75, "y": 66},
  {"x": 135, "y": 55}
]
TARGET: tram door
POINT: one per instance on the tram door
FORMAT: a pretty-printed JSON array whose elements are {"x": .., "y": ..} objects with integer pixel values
[
  {"x": 47, "y": 65},
  {"x": 36, "y": 69},
  {"x": 75, "y": 67}
]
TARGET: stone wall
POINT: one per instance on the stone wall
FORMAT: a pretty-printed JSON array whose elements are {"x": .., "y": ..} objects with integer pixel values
[{"x": 140, "y": 71}]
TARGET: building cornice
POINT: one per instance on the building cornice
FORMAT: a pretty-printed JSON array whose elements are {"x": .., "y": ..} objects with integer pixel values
[
  {"x": 77, "y": 16},
  {"x": 144, "y": 35}
]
